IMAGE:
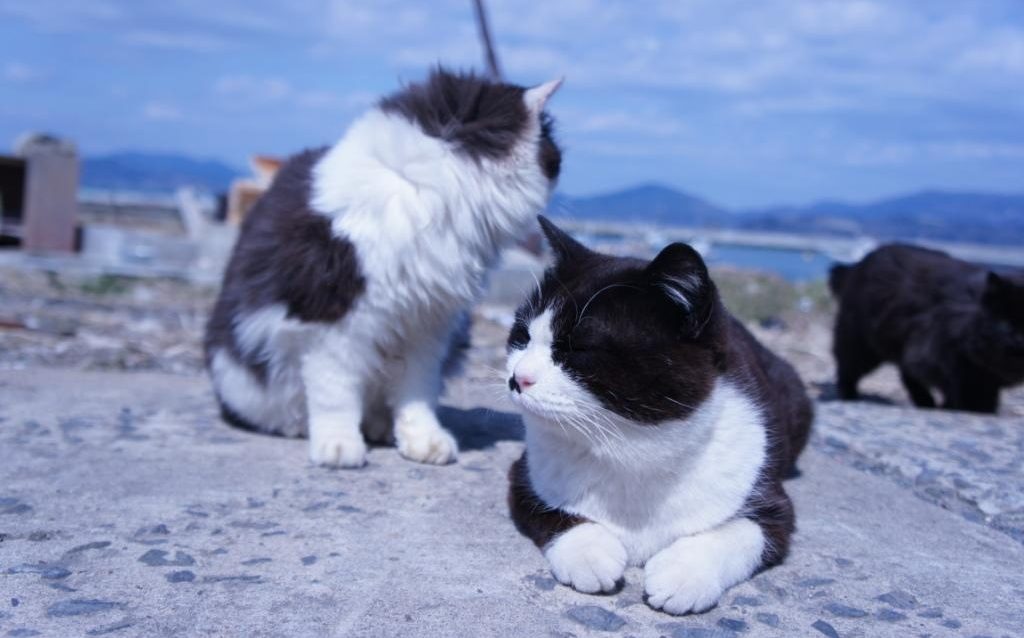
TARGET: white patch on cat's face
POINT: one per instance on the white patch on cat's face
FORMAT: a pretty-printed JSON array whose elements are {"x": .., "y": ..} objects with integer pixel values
[{"x": 552, "y": 394}]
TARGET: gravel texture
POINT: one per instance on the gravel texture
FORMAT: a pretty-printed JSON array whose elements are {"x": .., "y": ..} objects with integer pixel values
[{"x": 128, "y": 508}]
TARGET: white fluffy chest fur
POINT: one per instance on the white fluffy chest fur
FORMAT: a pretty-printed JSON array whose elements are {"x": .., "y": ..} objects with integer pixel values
[
  {"x": 667, "y": 481},
  {"x": 427, "y": 222}
]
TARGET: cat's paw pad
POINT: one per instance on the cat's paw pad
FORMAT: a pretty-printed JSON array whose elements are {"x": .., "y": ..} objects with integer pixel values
[
  {"x": 338, "y": 451},
  {"x": 588, "y": 558},
  {"x": 681, "y": 584},
  {"x": 433, "y": 445}
]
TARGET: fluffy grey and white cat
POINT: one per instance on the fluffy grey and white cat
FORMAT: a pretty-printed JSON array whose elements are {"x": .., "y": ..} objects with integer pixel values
[
  {"x": 349, "y": 274},
  {"x": 658, "y": 430}
]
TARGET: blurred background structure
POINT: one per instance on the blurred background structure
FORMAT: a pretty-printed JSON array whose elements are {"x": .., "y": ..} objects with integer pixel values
[{"x": 778, "y": 135}]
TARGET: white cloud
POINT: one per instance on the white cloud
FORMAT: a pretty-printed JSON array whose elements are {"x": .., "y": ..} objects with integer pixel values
[
  {"x": 193, "y": 42},
  {"x": 161, "y": 112},
  {"x": 893, "y": 83},
  {"x": 896, "y": 153},
  {"x": 720, "y": 46},
  {"x": 247, "y": 87},
  {"x": 974, "y": 150},
  {"x": 869, "y": 154},
  {"x": 1003, "y": 52},
  {"x": 639, "y": 122},
  {"x": 384, "y": 20},
  {"x": 837, "y": 17},
  {"x": 314, "y": 99},
  {"x": 20, "y": 73},
  {"x": 800, "y": 103},
  {"x": 247, "y": 90},
  {"x": 452, "y": 53},
  {"x": 58, "y": 15},
  {"x": 532, "y": 63}
]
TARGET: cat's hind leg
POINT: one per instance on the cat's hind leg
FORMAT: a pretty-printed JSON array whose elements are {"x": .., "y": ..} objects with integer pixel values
[
  {"x": 272, "y": 405},
  {"x": 854, "y": 358},
  {"x": 378, "y": 419},
  {"x": 919, "y": 392},
  {"x": 971, "y": 391},
  {"x": 691, "y": 574},
  {"x": 418, "y": 433},
  {"x": 334, "y": 405}
]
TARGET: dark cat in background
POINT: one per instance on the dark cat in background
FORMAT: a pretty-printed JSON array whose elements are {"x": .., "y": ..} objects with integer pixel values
[{"x": 949, "y": 325}]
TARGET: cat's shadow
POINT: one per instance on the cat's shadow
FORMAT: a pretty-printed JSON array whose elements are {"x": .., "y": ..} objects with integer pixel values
[
  {"x": 828, "y": 392},
  {"x": 481, "y": 428}
]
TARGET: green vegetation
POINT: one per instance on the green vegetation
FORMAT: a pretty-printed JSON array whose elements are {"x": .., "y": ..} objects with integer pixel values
[
  {"x": 764, "y": 298},
  {"x": 53, "y": 279},
  {"x": 105, "y": 285}
]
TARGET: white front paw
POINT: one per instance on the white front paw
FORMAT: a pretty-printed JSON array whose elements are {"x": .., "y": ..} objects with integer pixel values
[
  {"x": 428, "y": 445},
  {"x": 588, "y": 558},
  {"x": 681, "y": 582},
  {"x": 338, "y": 450}
]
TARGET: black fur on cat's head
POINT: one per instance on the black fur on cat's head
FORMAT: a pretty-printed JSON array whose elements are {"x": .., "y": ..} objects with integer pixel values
[
  {"x": 645, "y": 338},
  {"x": 997, "y": 341},
  {"x": 479, "y": 117}
]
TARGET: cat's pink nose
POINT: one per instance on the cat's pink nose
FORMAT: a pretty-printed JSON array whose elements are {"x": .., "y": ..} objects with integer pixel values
[{"x": 520, "y": 382}]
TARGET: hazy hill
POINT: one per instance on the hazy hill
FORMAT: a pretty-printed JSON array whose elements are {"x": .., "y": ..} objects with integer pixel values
[
  {"x": 955, "y": 216},
  {"x": 647, "y": 203},
  {"x": 154, "y": 172},
  {"x": 959, "y": 216},
  {"x": 939, "y": 215}
]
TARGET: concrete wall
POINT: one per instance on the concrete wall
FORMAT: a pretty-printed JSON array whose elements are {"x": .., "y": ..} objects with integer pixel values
[{"x": 51, "y": 199}]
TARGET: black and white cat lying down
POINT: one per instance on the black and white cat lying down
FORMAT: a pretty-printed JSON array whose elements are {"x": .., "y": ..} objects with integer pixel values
[{"x": 658, "y": 430}]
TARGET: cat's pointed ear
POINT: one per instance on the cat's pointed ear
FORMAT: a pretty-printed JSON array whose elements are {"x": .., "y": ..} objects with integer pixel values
[
  {"x": 539, "y": 95},
  {"x": 681, "y": 273},
  {"x": 566, "y": 249},
  {"x": 996, "y": 283},
  {"x": 1000, "y": 293}
]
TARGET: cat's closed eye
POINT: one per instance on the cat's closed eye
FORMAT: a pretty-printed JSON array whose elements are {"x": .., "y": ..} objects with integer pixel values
[{"x": 519, "y": 336}]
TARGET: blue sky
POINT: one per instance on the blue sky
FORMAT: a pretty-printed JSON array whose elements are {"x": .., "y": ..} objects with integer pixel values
[{"x": 745, "y": 103}]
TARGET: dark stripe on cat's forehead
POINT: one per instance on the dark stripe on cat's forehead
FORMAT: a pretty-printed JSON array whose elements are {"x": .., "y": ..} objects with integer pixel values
[{"x": 480, "y": 118}]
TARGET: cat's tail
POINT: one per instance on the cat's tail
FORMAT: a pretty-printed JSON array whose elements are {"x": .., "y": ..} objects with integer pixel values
[{"x": 837, "y": 275}]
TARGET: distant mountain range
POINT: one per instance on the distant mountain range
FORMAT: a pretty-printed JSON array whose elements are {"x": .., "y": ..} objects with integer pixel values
[
  {"x": 938, "y": 215},
  {"x": 652, "y": 203},
  {"x": 155, "y": 173},
  {"x": 941, "y": 215}
]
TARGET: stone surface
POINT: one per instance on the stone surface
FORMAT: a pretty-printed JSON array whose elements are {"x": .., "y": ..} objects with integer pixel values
[
  {"x": 102, "y": 469},
  {"x": 972, "y": 465}
]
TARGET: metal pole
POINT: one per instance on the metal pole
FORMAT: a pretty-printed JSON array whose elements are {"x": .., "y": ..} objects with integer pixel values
[{"x": 490, "y": 58}]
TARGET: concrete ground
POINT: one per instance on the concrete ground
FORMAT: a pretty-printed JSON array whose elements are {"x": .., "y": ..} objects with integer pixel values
[{"x": 127, "y": 508}]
